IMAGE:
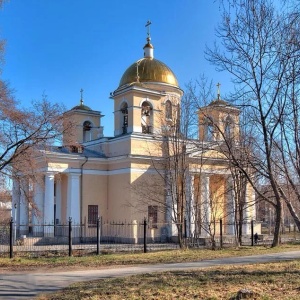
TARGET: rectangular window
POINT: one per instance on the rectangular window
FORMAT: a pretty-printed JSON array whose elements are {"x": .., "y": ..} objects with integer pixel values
[
  {"x": 92, "y": 215},
  {"x": 152, "y": 216}
]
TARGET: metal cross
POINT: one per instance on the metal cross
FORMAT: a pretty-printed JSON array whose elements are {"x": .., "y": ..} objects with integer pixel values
[
  {"x": 218, "y": 85},
  {"x": 81, "y": 99},
  {"x": 148, "y": 29}
]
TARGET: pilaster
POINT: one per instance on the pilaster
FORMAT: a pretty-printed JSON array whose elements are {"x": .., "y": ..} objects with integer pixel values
[
  {"x": 49, "y": 204},
  {"x": 24, "y": 207},
  {"x": 38, "y": 209},
  {"x": 206, "y": 207},
  {"x": 73, "y": 198},
  {"x": 231, "y": 206}
]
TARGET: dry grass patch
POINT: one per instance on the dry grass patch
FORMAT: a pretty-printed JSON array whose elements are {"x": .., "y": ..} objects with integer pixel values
[
  {"x": 94, "y": 261},
  {"x": 267, "y": 281}
]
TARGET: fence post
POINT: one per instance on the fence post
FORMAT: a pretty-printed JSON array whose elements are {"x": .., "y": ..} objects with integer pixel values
[
  {"x": 185, "y": 228},
  {"x": 11, "y": 238},
  {"x": 221, "y": 233},
  {"x": 252, "y": 234},
  {"x": 98, "y": 235},
  {"x": 145, "y": 235},
  {"x": 70, "y": 236}
]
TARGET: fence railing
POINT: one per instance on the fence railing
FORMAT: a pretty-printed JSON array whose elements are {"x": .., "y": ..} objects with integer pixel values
[{"x": 78, "y": 239}]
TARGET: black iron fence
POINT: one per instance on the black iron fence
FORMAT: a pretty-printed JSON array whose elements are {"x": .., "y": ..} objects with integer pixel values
[
  {"x": 105, "y": 237},
  {"x": 79, "y": 239}
]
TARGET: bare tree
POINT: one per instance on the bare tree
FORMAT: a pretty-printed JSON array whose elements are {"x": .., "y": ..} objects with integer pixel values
[
  {"x": 260, "y": 49},
  {"x": 25, "y": 129}
]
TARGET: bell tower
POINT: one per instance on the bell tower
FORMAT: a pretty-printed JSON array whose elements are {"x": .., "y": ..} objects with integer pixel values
[
  {"x": 82, "y": 124},
  {"x": 218, "y": 121},
  {"x": 145, "y": 90}
]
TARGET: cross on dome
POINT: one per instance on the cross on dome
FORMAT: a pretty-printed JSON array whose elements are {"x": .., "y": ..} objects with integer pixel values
[
  {"x": 218, "y": 90},
  {"x": 148, "y": 30},
  {"x": 81, "y": 97}
]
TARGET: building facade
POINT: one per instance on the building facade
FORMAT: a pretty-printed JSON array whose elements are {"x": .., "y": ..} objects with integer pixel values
[{"x": 124, "y": 177}]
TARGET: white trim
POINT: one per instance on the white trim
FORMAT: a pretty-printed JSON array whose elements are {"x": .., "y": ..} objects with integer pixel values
[
  {"x": 209, "y": 171},
  {"x": 107, "y": 172},
  {"x": 147, "y": 99},
  {"x": 84, "y": 112},
  {"x": 124, "y": 100},
  {"x": 127, "y": 88}
]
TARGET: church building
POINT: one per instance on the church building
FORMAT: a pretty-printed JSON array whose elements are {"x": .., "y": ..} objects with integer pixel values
[{"x": 124, "y": 177}]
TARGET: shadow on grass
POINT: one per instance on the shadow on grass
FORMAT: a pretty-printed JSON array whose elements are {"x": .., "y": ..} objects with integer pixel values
[{"x": 188, "y": 284}]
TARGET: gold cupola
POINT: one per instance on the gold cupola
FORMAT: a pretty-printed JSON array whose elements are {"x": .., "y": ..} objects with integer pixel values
[
  {"x": 143, "y": 91},
  {"x": 148, "y": 69}
]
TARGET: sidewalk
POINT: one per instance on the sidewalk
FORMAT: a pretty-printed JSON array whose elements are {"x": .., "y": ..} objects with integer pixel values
[{"x": 16, "y": 286}]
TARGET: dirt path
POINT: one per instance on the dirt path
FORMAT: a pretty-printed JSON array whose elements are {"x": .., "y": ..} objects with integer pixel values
[{"x": 16, "y": 286}]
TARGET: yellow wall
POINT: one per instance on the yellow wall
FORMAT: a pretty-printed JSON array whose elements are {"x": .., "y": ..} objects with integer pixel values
[
  {"x": 217, "y": 185},
  {"x": 74, "y": 120},
  {"x": 218, "y": 116},
  {"x": 94, "y": 193},
  {"x": 119, "y": 197}
]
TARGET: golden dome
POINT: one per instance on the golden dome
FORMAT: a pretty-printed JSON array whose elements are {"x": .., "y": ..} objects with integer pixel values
[{"x": 149, "y": 70}]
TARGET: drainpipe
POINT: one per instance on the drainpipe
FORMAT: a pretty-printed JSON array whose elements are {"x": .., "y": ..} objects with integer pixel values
[{"x": 81, "y": 192}]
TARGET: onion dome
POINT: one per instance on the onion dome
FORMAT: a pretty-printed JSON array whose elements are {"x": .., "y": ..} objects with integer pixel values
[
  {"x": 148, "y": 69},
  {"x": 219, "y": 102},
  {"x": 81, "y": 106}
]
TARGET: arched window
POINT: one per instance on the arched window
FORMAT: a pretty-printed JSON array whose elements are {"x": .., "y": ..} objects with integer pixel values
[
  {"x": 168, "y": 111},
  {"x": 124, "y": 112},
  {"x": 209, "y": 130},
  {"x": 87, "y": 133},
  {"x": 146, "y": 117},
  {"x": 228, "y": 130}
]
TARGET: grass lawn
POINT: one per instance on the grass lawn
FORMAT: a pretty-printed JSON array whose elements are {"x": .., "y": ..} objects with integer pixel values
[
  {"x": 266, "y": 281},
  {"x": 107, "y": 260}
]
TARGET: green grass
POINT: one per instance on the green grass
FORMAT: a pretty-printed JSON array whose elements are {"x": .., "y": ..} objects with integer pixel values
[
  {"x": 265, "y": 281},
  {"x": 94, "y": 261}
]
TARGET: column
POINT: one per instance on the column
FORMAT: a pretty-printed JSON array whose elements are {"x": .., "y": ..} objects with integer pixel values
[
  {"x": 190, "y": 209},
  {"x": 24, "y": 207},
  {"x": 58, "y": 200},
  {"x": 206, "y": 208},
  {"x": 231, "y": 207},
  {"x": 49, "y": 205},
  {"x": 73, "y": 198},
  {"x": 247, "y": 210},
  {"x": 253, "y": 203},
  {"x": 171, "y": 210},
  {"x": 16, "y": 207},
  {"x": 38, "y": 209}
]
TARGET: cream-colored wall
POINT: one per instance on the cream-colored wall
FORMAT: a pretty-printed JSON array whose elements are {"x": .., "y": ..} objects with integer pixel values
[
  {"x": 118, "y": 147},
  {"x": 219, "y": 116},
  {"x": 148, "y": 147},
  {"x": 155, "y": 95},
  {"x": 147, "y": 189},
  {"x": 119, "y": 208},
  {"x": 76, "y": 119},
  {"x": 94, "y": 192},
  {"x": 217, "y": 185}
]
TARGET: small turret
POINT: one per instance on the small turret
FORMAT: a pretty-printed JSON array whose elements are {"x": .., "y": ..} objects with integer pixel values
[{"x": 148, "y": 48}]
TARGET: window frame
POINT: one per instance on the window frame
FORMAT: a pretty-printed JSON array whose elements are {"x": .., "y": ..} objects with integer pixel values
[
  {"x": 93, "y": 214},
  {"x": 152, "y": 216}
]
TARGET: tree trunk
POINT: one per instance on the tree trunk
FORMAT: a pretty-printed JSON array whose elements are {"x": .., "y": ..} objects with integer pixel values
[
  {"x": 278, "y": 211},
  {"x": 293, "y": 214}
]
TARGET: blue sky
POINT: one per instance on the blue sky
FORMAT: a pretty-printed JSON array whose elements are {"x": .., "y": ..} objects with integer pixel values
[{"x": 57, "y": 47}]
